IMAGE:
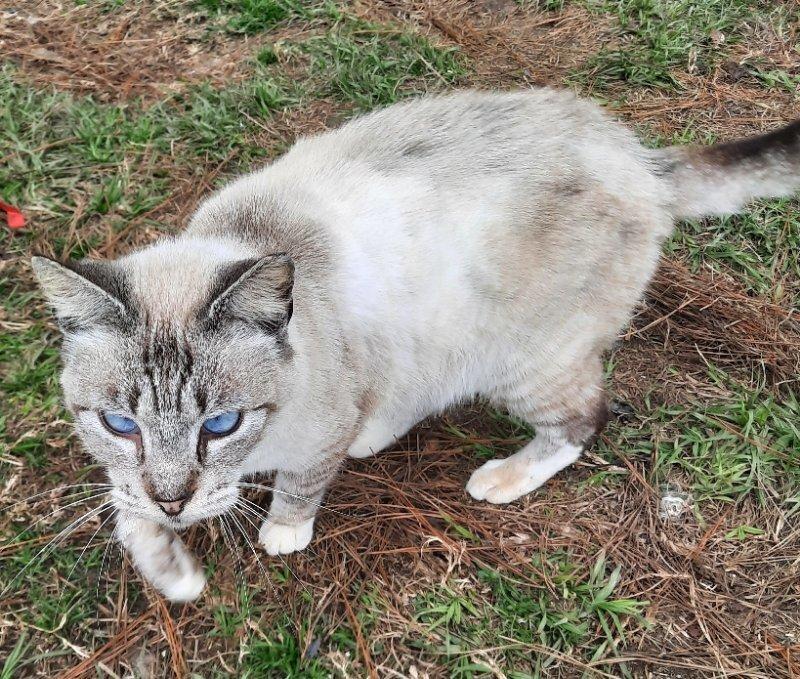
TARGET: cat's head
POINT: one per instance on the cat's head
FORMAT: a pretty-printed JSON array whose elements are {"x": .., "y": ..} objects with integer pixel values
[{"x": 175, "y": 358}]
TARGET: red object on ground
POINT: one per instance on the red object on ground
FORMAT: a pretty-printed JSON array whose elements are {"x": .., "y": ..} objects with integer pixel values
[{"x": 14, "y": 218}]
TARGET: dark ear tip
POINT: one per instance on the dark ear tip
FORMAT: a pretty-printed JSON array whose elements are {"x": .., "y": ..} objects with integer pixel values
[{"x": 282, "y": 258}]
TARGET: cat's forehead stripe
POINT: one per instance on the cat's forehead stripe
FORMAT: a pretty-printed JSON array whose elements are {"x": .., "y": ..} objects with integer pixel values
[{"x": 167, "y": 363}]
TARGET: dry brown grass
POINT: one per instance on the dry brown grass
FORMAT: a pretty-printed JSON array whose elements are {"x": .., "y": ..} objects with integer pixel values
[{"x": 146, "y": 49}]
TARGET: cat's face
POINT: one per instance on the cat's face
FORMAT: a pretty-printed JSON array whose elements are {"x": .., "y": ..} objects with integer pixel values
[{"x": 172, "y": 370}]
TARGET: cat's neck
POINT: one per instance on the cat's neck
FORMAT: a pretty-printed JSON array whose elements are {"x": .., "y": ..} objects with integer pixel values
[{"x": 265, "y": 218}]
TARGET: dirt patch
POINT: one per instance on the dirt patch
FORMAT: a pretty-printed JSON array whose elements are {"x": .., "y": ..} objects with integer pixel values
[{"x": 113, "y": 53}]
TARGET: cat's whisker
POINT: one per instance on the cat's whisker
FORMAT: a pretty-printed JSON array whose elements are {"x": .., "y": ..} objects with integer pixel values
[
  {"x": 307, "y": 500},
  {"x": 111, "y": 541},
  {"x": 262, "y": 516},
  {"x": 302, "y": 584},
  {"x": 59, "y": 509},
  {"x": 253, "y": 507},
  {"x": 294, "y": 575},
  {"x": 90, "y": 487},
  {"x": 55, "y": 542},
  {"x": 229, "y": 540},
  {"x": 250, "y": 513},
  {"x": 88, "y": 543},
  {"x": 253, "y": 549}
]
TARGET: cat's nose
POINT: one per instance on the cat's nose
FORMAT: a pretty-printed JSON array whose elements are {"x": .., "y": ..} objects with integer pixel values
[{"x": 175, "y": 506}]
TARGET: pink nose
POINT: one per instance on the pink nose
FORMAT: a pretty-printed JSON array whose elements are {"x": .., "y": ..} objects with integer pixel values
[{"x": 173, "y": 507}]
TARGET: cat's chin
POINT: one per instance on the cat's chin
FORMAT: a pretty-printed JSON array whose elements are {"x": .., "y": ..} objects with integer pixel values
[{"x": 180, "y": 523}]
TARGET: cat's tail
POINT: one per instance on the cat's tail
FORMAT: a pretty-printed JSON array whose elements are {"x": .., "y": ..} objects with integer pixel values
[{"x": 720, "y": 179}]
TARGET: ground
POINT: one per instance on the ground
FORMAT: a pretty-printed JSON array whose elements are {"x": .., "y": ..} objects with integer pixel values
[{"x": 672, "y": 549}]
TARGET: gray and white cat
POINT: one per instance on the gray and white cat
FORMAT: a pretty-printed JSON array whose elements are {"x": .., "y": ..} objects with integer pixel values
[{"x": 470, "y": 244}]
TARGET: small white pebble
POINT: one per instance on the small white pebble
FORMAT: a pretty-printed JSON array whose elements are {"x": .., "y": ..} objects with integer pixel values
[{"x": 674, "y": 504}]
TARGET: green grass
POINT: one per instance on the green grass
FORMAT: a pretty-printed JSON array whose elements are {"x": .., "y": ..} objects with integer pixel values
[
  {"x": 778, "y": 79},
  {"x": 722, "y": 451},
  {"x": 14, "y": 658},
  {"x": 251, "y": 17},
  {"x": 758, "y": 246},
  {"x": 361, "y": 63},
  {"x": 657, "y": 39},
  {"x": 370, "y": 65},
  {"x": 60, "y": 602},
  {"x": 544, "y": 5},
  {"x": 520, "y": 619},
  {"x": 278, "y": 655},
  {"x": 68, "y": 151},
  {"x": 29, "y": 370}
]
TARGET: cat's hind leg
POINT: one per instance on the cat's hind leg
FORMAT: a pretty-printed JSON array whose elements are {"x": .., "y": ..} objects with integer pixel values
[{"x": 566, "y": 411}]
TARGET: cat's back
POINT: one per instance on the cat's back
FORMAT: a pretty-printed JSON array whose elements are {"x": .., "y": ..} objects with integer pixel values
[{"x": 470, "y": 133}]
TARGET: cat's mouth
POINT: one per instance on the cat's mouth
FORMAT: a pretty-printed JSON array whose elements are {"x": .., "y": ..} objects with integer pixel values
[
  {"x": 196, "y": 510},
  {"x": 197, "y": 514}
]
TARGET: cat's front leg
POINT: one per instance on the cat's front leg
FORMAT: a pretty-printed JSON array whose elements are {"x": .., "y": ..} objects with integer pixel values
[
  {"x": 161, "y": 557},
  {"x": 296, "y": 498}
]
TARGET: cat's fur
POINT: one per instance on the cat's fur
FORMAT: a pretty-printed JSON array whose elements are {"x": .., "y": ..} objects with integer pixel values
[{"x": 447, "y": 247}]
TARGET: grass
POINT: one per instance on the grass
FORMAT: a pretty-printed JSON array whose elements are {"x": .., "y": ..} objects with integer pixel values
[
  {"x": 251, "y": 17},
  {"x": 657, "y": 42},
  {"x": 279, "y": 655},
  {"x": 721, "y": 452},
  {"x": 56, "y": 604},
  {"x": 544, "y": 5},
  {"x": 533, "y": 626},
  {"x": 14, "y": 658},
  {"x": 29, "y": 385},
  {"x": 755, "y": 246},
  {"x": 370, "y": 65},
  {"x": 580, "y": 575}
]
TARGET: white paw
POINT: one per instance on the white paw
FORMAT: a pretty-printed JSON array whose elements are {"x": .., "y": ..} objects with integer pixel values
[
  {"x": 186, "y": 587},
  {"x": 278, "y": 538},
  {"x": 502, "y": 481},
  {"x": 497, "y": 482}
]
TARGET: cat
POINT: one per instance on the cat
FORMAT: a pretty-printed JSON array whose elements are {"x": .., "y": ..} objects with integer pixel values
[{"x": 447, "y": 247}]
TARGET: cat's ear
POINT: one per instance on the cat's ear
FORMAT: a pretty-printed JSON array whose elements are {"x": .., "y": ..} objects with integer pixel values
[
  {"x": 256, "y": 291},
  {"x": 83, "y": 294}
]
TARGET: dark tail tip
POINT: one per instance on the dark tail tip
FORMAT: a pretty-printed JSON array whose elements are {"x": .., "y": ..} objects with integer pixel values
[{"x": 783, "y": 141}]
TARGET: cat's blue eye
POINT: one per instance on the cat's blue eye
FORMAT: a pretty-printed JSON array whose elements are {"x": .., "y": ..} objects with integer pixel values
[
  {"x": 222, "y": 424},
  {"x": 119, "y": 424}
]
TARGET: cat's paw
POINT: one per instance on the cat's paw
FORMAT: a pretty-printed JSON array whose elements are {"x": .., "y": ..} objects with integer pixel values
[
  {"x": 161, "y": 558},
  {"x": 186, "y": 586},
  {"x": 502, "y": 481},
  {"x": 278, "y": 538},
  {"x": 498, "y": 482}
]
